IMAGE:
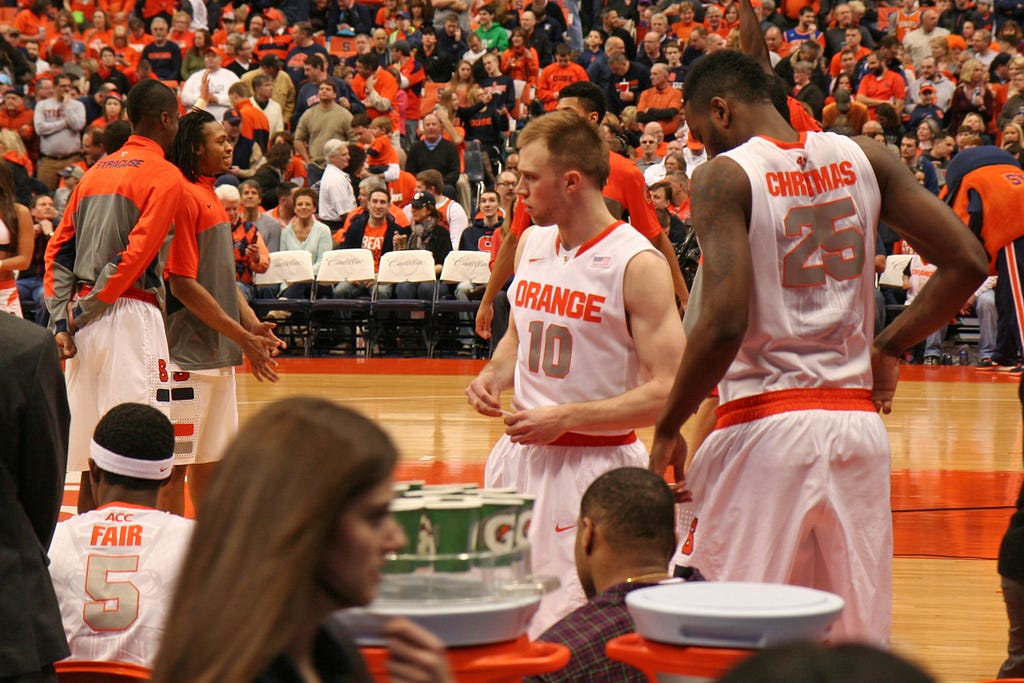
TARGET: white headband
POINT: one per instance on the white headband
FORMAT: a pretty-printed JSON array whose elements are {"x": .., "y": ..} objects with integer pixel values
[{"x": 130, "y": 467}]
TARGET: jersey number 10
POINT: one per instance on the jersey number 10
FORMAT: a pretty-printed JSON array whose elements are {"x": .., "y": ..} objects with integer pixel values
[{"x": 550, "y": 349}]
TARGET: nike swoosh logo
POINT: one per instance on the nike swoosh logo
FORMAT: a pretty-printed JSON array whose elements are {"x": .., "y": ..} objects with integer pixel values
[{"x": 560, "y": 529}]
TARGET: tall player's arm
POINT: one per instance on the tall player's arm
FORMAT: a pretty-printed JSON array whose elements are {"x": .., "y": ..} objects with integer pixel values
[
  {"x": 938, "y": 235},
  {"x": 720, "y": 207},
  {"x": 658, "y": 337}
]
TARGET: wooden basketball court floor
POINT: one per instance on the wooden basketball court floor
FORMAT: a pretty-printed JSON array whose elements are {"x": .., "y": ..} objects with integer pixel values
[{"x": 956, "y": 471}]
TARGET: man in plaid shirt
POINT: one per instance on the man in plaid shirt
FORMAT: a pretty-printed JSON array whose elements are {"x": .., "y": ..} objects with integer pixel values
[{"x": 625, "y": 537}]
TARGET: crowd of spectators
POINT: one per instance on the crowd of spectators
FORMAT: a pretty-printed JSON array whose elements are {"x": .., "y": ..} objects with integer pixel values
[{"x": 318, "y": 96}]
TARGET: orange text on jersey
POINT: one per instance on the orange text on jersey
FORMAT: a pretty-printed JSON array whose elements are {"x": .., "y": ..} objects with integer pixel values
[
  {"x": 555, "y": 300},
  {"x": 812, "y": 182},
  {"x": 116, "y": 535}
]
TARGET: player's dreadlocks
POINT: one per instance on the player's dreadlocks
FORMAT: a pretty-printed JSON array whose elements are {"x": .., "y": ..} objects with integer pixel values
[{"x": 188, "y": 143}]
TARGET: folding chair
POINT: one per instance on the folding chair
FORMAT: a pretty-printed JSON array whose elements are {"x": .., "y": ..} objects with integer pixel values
[
  {"x": 397, "y": 322},
  {"x": 100, "y": 672},
  {"x": 291, "y": 315},
  {"x": 452, "y": 316},
  {"x": 341, "y": 323},
  {"x": 892, "y": 276}
]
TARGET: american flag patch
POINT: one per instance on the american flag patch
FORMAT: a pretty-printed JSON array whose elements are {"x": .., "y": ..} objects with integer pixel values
[{"x": 601, "y": 262}]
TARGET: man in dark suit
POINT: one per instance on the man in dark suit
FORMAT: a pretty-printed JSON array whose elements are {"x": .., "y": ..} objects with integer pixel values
[{"x": 34, "y": 420}]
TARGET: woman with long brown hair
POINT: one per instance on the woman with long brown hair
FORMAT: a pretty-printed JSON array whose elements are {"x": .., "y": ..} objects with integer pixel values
[
  {"x": 16, "y": 242},
  {"x": 295, "y": 526}
]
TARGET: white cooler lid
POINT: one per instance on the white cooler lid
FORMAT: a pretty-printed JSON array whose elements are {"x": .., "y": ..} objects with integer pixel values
[{"x": 731, "y": 614}]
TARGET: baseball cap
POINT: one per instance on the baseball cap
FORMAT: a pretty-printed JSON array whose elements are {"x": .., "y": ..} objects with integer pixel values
[
  {"x": 18, "y": 90},
  {"x": 213, "y": 51},
  {"x": 232, "y": 116},
  {"x": 927, "y": 87},
  {"x": 694, "y": 144},
  {"x": 274, "y": 14},
  {"x": 843, "y": 100},
  {"x": 75, "y": 172},
  {"x": 402, "y": 46},
  {"x": 5, "y": 79},
  {"x": 273, "y": 61},
  {"x": 402, "y": 14},
  {"x": 113, "y": 95},
  {"x": 228, "y": 16},
  {"x": 422, "y": 199}
]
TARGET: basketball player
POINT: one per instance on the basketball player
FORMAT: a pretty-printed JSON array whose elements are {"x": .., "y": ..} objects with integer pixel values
[
  {"x": 625, "y": 191},
  {"x": 985, "y": 186},
  {"x": 593, "y": 340},
  {"x": 109, "y": 251},
  {"x": 209, "y": 323},
  {"x": 114, "y": 568},
  {"x": 793, "y": 485}
]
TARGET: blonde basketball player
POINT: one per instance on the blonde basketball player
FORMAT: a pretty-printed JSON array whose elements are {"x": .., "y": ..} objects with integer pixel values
[{"x": 593, "y": 342}]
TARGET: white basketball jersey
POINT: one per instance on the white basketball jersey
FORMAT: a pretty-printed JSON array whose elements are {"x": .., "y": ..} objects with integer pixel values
[
  {"x": 814, "y": 216},
  {"x": 574, "y": 342},
  {"x": 114, "y": 570}
]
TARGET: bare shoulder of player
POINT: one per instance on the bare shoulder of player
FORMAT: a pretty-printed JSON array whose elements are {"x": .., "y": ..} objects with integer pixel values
[{"x": 717, "y": 184}]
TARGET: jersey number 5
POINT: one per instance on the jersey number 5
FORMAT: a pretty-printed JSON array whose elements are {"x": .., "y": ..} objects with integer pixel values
[
  {"x": 550, "y": 349},
  {"x": 123, "y": 594},
  {"x": 842, "y": 250}
]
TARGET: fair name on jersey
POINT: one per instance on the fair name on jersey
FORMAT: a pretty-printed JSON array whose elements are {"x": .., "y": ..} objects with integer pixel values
[{"x": 118, "y": 533}]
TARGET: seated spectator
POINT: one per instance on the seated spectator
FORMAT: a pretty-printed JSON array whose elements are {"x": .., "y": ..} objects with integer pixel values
[
  {"x": 273, "y": 172},
  {"x": 1013, "y": 109},
  {"x": 327, "y": 120},
  {"x": 926, "y": 107},
  {"x": 376, "y": 230},
  {"x": 648, "y": 156},
  {"x": 252, "y": 211},
  {"x": 121, "y": 619},
  {"x": 845, "y": 115},
  {"x": 30, "y": 279},
  {"x": 928, "y": 131},
  {"x": 375, "y": 135},
  {"x": 304, "y": 498},
  {"x": 163, "y": 55},
  {"x": 983, "y": 305},
  {"x": 805, "y": 91},
  {"x": 251, "y": 254},
  {"x": 285, "y": 209},
  {"x": 1013, "y": 139},
  {"x": 429, "y": 233},
  {"x": 113, "y": 110},
  {"x": 662, "y": 196},
  {"x": 971, "y": 96},
  {"x": 433, "y": 152},
  {"x": 625, "y": 536},
  {"x": 255, "y": 124},
  {"x": 305, "y": 232},
  {"x": 918, "y": 163},
  {"x": 336, "y": 195},
  {"x": 661, "y": 103},
  {"x": 246, "y": 154},
  {"x": 452, "y": 214}
]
